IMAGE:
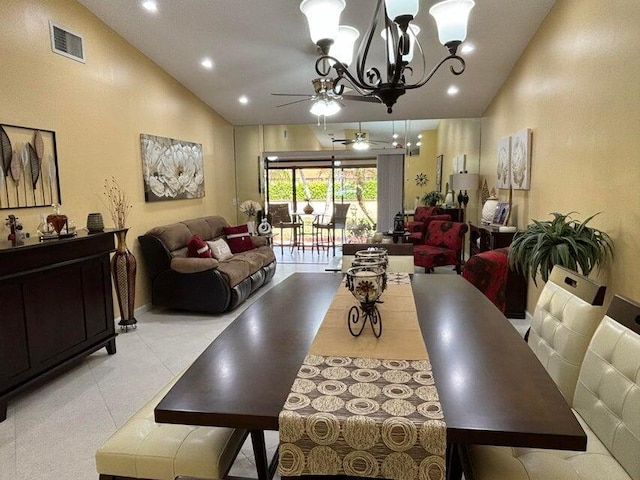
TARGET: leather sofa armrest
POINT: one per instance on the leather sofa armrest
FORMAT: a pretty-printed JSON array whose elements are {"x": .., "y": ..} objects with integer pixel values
[
  {"x": 193, "y": 265},
  {"x": 259, "y": 241}
]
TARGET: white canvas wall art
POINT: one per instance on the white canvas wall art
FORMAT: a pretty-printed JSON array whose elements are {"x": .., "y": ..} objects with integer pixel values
[
  {"x": 172, "y": 169},
  {"x": 521, "y": 159},
  {"x": 503, "y": 170}
]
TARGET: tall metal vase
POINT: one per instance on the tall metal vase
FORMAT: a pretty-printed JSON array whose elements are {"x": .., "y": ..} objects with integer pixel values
[{"x": 123, "y": 269}]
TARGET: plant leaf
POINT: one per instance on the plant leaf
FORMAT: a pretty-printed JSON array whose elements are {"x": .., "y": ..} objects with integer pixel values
[
  {"x": 16, "y": 167},
  {"x": 35, "y": 165},
  {"x": 39, "y": 145},
  {"x": 5, "y": 151}
]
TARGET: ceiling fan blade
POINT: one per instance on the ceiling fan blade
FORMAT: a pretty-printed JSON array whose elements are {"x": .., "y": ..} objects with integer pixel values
[
  {"x": 341, "y": 140},
  {"x": 360, "y": 98},
  {"x": 292, "y": 95},
  {"x": 293, "y": 103}
]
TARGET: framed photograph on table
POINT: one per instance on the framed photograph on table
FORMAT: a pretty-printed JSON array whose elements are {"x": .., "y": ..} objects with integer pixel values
[{"x": 501, "y": 214}]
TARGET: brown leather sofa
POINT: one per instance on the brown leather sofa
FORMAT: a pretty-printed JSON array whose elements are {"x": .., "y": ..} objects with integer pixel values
[{"x": 202, "y": 284}]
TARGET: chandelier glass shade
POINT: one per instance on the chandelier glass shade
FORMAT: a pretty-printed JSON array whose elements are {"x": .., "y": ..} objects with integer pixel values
[
  {"x": 342, "y": 49},
  {"x": 401, "y": 41}
]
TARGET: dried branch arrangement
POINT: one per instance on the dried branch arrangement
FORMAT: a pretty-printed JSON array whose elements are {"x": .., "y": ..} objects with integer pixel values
[{"x": 117, "y": 202}]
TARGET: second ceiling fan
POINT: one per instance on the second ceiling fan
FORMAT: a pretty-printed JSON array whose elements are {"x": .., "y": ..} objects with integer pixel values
[
  {"x": 360, "y": 142},
  {"x": 325, "y": 99}
]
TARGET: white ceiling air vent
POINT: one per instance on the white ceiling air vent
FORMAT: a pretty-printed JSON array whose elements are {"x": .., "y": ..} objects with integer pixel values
[{"x": 66, "y": 43}]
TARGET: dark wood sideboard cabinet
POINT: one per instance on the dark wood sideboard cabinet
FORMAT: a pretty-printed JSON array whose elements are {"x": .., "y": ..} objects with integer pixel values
[
  {"x": 486, "y": 237},
  {"x": 55, "y": 307}
]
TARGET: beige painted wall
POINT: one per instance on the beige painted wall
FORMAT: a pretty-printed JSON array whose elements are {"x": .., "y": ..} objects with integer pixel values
[
  {"x": 252, "y": 140},
  {"x": 98, "y": 111},
  {"x": 423, "y": 163},
  {"x": 461, "y": 137},
  {"x": 576, "y": 87}
]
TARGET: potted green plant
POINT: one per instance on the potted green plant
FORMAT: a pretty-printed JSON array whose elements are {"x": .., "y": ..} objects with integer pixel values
[
  {"x": 561, "y": 241},
  {"x": 432, "y": 198}
]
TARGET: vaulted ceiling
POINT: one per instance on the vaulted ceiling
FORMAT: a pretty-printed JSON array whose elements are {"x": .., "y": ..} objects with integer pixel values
[{"x": 259, "y": 47}]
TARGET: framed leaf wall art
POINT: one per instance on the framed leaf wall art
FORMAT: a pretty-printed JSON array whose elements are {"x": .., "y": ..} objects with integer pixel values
[{"x": 28, "y": 167}]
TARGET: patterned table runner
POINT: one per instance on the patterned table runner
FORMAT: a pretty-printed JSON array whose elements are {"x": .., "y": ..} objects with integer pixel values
[{"x": 373, "y": 414}]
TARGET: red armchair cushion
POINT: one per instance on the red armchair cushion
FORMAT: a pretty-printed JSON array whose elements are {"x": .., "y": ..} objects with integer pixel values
[
  {"x": 442, "y": 245},
  {"x": 238, "y": 238},
  {"x": 419, "y": 217},
  {"x": 416, "y": 237},
  {"x": 488, "y": 272},
  {"x": 428, "y": 256},
  {"x": 422, "y": 213}
]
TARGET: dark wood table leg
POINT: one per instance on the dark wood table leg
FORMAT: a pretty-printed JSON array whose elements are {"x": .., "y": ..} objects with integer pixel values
[
  {"x": 3, "y": 409},
  {"x": 260, "y": 454},
  {"x": 454, "y": 467}
]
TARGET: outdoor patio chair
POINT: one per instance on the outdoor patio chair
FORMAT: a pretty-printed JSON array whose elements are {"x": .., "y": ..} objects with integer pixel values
[
  {"x": 282, "y": 218},
  {"x": 337, "y": 221}
]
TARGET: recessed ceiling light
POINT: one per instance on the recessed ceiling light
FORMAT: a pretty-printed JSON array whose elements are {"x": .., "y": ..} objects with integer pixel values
[
  {"x": 467, "y": 48},
  {"x": 150, "y": 5},
  {"x": 395, "y": 135},
  {"x": 453, "y": 90},
  {"x": 420, "y": 135},
  {"x": 243, "y": 100},
  {"x": 418, "y": 144},
  {"x": 394, "y": 144},
  {"x": 207, "y": 63},
  {"x": 272, "y": 158},
  {"x": 408, "y": 144}
]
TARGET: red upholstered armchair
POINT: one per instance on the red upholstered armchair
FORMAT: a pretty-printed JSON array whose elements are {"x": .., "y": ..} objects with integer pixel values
[
  {"x": 442, "y": 245},
  {"x": 489, "y": 271},
  {"x": 416, "y": 237},
  {"x": 419, "y": 217}
]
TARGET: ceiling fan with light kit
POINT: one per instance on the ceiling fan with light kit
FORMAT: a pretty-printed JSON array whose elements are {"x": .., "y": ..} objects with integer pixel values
[
  {"x": 360, "y": 142},
  {"x": 327, "y": 99}
]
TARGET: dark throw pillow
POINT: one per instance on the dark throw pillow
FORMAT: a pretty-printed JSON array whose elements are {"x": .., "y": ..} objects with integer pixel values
[
  {"x": 238, "y": 238},
  {"x": 198, "y": 248}
]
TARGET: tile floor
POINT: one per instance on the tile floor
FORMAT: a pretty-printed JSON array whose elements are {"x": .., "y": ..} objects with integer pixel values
[{"x": 53, "y": 430}]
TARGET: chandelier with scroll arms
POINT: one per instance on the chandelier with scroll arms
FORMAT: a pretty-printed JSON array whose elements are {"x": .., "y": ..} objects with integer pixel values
[{"x": 336, "y": 42}]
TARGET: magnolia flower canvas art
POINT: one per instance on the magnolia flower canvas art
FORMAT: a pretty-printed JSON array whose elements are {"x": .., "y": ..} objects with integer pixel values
[{"x": 172, "y": 169}]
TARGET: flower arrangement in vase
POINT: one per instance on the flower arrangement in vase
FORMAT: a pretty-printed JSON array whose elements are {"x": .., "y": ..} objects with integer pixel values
[{"x": 250, "y": 209}]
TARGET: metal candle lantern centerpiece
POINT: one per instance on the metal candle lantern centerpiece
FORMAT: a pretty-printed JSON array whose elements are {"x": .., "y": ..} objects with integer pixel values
[
  {"x": 371, "y": 257},
  {"x": 366, "y": 283}
]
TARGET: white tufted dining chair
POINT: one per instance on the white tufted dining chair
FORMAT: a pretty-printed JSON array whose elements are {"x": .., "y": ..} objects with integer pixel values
[
  {"x": 567, "y": 313},
  {"x": 607, "y": 405}
]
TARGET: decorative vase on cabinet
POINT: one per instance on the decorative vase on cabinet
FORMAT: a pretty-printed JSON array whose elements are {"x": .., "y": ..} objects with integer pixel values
[{"x": 123, "y": 269}]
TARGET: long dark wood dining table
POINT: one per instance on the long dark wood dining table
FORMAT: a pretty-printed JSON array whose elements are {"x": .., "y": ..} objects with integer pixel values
[{"x": 492, "y": 388}]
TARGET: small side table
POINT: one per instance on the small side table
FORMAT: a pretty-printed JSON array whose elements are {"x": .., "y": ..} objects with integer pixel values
[
  {"x": 398, "y": 237},
  {"x": 269, "y": 237}
]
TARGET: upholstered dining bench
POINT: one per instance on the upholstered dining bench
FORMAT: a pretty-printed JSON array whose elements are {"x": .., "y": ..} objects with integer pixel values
[
  {"x": 144, "y": 449},
  {"x": 607, "y": 405}
]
